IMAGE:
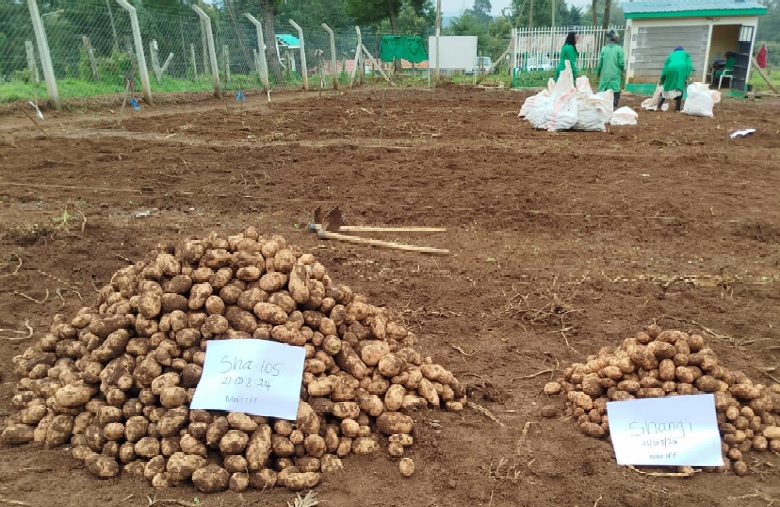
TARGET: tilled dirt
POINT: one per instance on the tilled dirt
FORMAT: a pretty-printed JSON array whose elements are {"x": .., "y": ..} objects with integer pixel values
[{"x": 561, "y": 244}]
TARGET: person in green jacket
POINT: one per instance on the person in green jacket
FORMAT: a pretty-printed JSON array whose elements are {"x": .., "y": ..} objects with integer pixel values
[
  {"x": 568, "y": 52},
  {"x": 674, "y": 76},
  {"x": 612, "y": 63}
]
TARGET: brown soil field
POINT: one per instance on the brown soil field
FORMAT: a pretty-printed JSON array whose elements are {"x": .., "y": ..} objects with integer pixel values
[{"x": 561, "y": 243}]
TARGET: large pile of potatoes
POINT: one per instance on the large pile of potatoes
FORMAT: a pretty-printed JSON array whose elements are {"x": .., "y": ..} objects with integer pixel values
[
  {"x": 657, "y": 363},
  {"x": 115, "y": 381}
]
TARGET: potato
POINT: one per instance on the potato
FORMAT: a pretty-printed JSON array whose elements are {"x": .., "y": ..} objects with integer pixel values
[
  {"x": 390, "y": 423},
  {"x": 191, "y": 445},
  {"x": 390, "y": 365},
  {"x": 272, "y": 282},
  {"x": 373, "y": 405},
  {"x": 147, "y": 447},
  {"x": 298, "y": 481},
  {"x": 103, "y": 467},
  {"x": 211, "y": 478},
  {"x": 345, "y": 410},
  {"x": 259, "y": 447},
  {"x": 271, "y": 313},
  {"x": 17, "y": 434},
  {"x": 371, "y": 351},
  {"x": 315, "y": 446},
  {"x": 181, "y": 467},
  {"x": 171, "y": 397},
  {"x": 234, "y": 442},
  {"x": 74, "y": 395},
  {"x": 406, "y": 467}
]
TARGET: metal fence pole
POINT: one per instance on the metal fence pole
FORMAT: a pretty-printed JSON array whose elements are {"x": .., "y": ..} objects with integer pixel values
[
  {"x": 139, "y": 50},
  {"x": 333, "y": 69},
  {"x": 212, "y": 52},
  {"x": 43, "y": 51},
  {"x": 304, "y": 69},
  {"x": 261, "y": 50}
]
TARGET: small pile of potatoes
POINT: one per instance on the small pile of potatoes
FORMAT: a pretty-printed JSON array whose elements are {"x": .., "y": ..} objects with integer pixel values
[
  {"x": 115, "y": 381},
  {"x": 657, "y": 363}
]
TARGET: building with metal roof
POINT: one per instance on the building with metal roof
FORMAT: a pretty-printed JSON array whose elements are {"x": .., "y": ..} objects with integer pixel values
[{"x": 707, "y": 30}]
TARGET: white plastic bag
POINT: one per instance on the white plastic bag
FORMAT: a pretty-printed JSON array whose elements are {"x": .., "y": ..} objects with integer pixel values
[
  {"x": 537, "y": 116},
  {"x": 594, "y": 111},
  {"x": 700, "y": 100},
  {"x": 652, "y": 103},
  {"x": 583, "y": 86},
  {"x": 528, "y": 105},
  {"x": 623, "y": 116},
  {"x": 563, "y": 113}
]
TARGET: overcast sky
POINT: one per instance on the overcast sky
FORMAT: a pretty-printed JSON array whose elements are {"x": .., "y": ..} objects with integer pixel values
[{"x": 455, "y": 7}]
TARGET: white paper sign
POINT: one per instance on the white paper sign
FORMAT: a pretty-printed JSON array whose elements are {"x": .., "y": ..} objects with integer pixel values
[
  {"x": 258, "y": 377},
  {"x": 678, "y": 430}
]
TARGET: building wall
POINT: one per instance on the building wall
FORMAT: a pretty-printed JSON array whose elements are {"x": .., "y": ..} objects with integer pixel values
[
  {"x": 652, "y": 44},
  {"x": 649, "y": 41}
]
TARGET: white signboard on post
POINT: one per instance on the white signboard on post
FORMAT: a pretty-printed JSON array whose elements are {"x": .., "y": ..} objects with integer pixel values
[
  {"x": 456, "y": 52},
  {"x": 258, "y": 377},
  {"x": 678, "y": 430}
]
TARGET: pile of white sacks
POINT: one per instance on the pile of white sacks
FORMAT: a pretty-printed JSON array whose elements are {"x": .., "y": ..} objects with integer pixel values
[
  {"x": 700, "y": 100},
  {"x": 566, "y": 105}
]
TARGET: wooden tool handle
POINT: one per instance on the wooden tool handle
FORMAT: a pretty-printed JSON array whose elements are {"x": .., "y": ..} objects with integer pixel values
[
  {"x": 383, "y": 244},
  {"x": 313, "y": 227}
]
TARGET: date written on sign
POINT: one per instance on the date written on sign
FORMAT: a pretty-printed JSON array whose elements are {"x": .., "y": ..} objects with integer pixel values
[
  {"x": 241, "y": 372},
  {"x": 257, "y": 377}
]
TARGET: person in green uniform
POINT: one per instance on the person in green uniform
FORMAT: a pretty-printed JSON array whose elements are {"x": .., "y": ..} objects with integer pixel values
[
  {"x": 568, "y": 52},
  {"x": 612, "y": 63},
  {"x": 674, "y": 76}
]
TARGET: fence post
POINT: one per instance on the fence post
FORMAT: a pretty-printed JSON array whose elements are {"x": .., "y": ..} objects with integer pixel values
[
  {"x": 212, "y": 52},
  {"x": 333, "y": 69},
  {"x": 194, "y": 62},
  {"x": 153, "y": 54},
  {"x": 91, "y": 56},
  {"x": 28, "y": 46},
  {"x": 304, "y": 68},
  {"x": 226, "y": 57},
  {"x": 43, "y": 51},
  {"x": 358, "y": 54},
  {"x": 139, "y": 50},
  {"x": 263, "y": 63}
]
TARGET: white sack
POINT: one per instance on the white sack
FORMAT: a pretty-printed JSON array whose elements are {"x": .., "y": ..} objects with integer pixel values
[
  {"x": 594, "y": 111},
  {"x": 700, "y": 100},
  {"x": 624, "y": 116},
  {"x": 652, "y": 103}
]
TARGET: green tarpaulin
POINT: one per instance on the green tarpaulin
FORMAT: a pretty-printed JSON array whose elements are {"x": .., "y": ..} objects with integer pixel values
[{"x": 403, "y": 47}]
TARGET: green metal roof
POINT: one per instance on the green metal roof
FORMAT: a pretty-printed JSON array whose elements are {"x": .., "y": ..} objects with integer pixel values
[{"x": 691, "y": 8}]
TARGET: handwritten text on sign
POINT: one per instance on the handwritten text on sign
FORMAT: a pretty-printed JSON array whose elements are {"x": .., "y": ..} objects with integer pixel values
[
  {"x": 258, "y": 377},
  {"x": 678, "y": 430}
]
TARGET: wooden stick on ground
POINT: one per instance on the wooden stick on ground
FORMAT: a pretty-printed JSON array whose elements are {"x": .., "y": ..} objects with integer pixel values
[
  {"x": 373, "y": 228},
  {"x": 762, "y": 74},
  {"x": 383, "y": 244}
]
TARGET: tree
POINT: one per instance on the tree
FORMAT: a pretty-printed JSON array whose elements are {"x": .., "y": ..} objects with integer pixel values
[
  {"x": 410, "y": 22},
  {"x": 481, "y": 11},
  {"x": 373, "y": 12},
  {"x": 607, "y": 7},
  {"x": 268, "y": 7}
]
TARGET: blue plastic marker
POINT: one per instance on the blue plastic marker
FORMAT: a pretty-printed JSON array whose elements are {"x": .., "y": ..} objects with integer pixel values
[
  {"x": 240, "y": 96},
  {"x": 135, "y": 104}
]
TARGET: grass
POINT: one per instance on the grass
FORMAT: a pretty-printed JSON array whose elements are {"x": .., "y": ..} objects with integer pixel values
[
  {"x": 69, "y": 88},
  {"x": 758, "y": 82}
]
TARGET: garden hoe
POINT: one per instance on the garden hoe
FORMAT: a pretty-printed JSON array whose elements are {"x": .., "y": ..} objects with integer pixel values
[{"x": 327, "y": 225}]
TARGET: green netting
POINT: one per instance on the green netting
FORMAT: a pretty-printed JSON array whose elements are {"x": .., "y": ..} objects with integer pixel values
[{"x": 403, "y": 47}]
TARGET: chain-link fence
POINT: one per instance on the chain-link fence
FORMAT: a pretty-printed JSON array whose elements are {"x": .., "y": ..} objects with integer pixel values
[{"x": 94, "y": 56}]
